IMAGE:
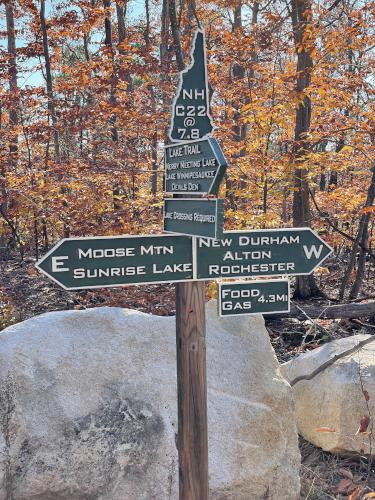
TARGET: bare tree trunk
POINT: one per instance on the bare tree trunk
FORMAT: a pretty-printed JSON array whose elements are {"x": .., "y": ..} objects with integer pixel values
[
  {"x": 116, "y": 191},
  {"x": 164, "y": 60},
  {"x": 13, "y": 108},
  {"x": 301, "y": 9},
  {"x": 164, "y": 36},
  {"x": 13, "y": 85},
  {"x": 109, "y": 44},
  {"x": 49, "y": 82},
  {"x": 124, "y": 74},
  {"x": 363, "y": 239},
  {"x": 175, "y": 34},
  {"x": 154, "y": 139},
  {"x": 51, "y": 102},
  {"x": 237, "y": 72}
]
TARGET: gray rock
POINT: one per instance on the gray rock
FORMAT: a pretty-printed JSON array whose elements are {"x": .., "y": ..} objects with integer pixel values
[
  {"x": 331, "y": 405},
  {"x": 88, "y": 409}
]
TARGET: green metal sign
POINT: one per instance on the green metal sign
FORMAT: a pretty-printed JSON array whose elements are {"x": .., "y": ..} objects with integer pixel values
[
  {"x": 274, "y": 252},
  {"x": 78, "y": 263},
  {"x": 195, "y": 217},
  {"x": 194, "y": 167},
  {"x": 191, "y": 115},
  {"x": 253, "y": 297}
]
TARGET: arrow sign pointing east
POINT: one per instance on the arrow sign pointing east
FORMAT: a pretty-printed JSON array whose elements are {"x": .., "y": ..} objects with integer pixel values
[
  {"x": 194, "y": 167},
  {"x": 259, "y": 253},
  {"x": 190, "y": 112},
  {"x": 78, "y": 263}
]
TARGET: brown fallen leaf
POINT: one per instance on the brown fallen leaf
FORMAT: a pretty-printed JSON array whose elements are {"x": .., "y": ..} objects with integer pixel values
[
  {"x": 366, "y": 395},
  {"x": 345, "y": 486},
  {"x": 363, "y": 424},
  {"x": 346, "y": 473},
  {"x": 356, "y": 495}
]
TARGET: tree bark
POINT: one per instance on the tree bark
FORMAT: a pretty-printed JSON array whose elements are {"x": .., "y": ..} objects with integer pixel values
[
  {"x": 108, "y": 42},
  {"x": 301, "y": 9},
  {"x": 124, "y": 74},
  {"x": 13, "y": 85},
  {"x": 109, "y": 45},
  {"x": 13, "y": 109},
  {"x": 363, "y": 238},
  {"x": 49, "y": 82},
  {"x": 153, "y": 102},
  {"x": 175, "y": 34},
  {"x": 342, "y": 311}
]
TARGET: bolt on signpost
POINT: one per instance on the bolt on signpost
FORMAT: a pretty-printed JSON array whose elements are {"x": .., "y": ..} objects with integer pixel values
[{"x": 184, "y": 174}]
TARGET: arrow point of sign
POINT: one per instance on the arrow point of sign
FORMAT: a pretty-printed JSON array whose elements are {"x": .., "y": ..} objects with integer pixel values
[
  {"x": 45, "y": 258},
  {"x": 325, "y": 245}
]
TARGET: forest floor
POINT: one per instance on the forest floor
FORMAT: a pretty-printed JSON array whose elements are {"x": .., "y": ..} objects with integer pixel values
[{"x": 24, "y": 293}]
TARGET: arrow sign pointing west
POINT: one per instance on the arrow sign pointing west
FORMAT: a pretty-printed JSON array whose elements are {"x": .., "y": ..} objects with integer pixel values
[
  {"x": 78, "y": 263},
  {"x": 259, "y": 253},
  {"x": 194, "y": 167}
]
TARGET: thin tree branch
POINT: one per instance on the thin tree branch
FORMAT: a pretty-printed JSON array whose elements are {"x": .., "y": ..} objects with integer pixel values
[
  {"x": 338, "y": 230},
  {"x": 335, "y": 4},
  {"x": 332, "y": 361}
]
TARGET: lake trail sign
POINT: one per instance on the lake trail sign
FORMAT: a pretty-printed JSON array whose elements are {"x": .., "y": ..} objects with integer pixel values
[
  {"x": 195, "y": 217},
  {"x": 191, "y": 109},
  {"x": 79, "y": 263},
  {"x": 294, "y": 251},
  {"x": 253, "y": 297},
  {"x": 194, "y": 167}
]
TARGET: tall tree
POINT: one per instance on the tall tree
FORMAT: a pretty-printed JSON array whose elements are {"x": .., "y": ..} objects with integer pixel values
[
  {"x": 301, "y": 16},
  {"x": 9, "y": 165},
  {"x": 49, "y": 81},
  {"x": 111, "y": 55},
  {"x": 13, "y": 84},
  {"x": 123, "y": 73}
]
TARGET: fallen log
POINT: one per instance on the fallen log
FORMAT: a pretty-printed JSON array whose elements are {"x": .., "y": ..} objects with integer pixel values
[{"x": 341, "y": 311}]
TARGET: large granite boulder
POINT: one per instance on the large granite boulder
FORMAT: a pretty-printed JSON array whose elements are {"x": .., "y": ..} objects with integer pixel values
[
  {"x": 88, "y": 409},
  {"x": 334, "y": 407}
]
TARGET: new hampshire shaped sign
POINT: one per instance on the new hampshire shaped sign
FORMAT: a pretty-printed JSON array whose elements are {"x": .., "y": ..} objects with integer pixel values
[{"x": 190, "y": 111}]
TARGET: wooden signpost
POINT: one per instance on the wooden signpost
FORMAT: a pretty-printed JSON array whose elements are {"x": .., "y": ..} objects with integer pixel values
[
  {"x": 194, "y": 166},
  {"x": 191, "y": 120}
]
